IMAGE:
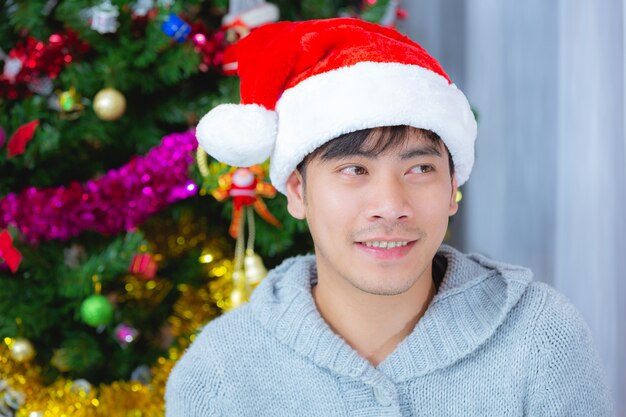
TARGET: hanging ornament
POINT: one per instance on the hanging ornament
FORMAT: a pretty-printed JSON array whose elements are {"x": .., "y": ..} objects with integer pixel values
[
  {"x": 240, "y": 293},
  {"x": 8, "y": 253},
  {"x": 254, "y": 269},
  {"x": 104, "y": 17},
  {"x": 143, "y": 265},
  {"x": 69, "y": 103},
  {"x": 248, "y": 269},
  {"x": 69, "y": 100},
  {"x": 109, "y": 104},
  {"x": 19, "y": 139},
  {"x": 125, "y": 334},
  {"x": 96, "y": 310},
  {"x": 176, "y": 28},
  {"x": 246, "y": 188},
  {"x": 22, "y": 350}
]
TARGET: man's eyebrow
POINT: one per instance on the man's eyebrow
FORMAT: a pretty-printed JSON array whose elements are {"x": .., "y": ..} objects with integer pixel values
[{"x": 421, "y": 151}]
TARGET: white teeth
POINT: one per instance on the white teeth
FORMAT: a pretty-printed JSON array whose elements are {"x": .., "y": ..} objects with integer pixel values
[{"x": 385, "y": 244}]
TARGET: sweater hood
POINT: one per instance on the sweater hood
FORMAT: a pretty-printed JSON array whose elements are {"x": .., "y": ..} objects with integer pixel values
[{"x": 474, "y": 298}]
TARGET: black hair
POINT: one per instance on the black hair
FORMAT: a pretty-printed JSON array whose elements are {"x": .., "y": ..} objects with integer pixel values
[{"x": 354, "y": 143}]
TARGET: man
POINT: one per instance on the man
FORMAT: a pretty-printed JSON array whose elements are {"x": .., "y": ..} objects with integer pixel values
[{"x": 369, "y": 141}]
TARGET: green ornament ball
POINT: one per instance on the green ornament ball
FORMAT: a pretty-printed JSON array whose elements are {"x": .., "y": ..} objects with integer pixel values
[{"x": 96, "y": 310}]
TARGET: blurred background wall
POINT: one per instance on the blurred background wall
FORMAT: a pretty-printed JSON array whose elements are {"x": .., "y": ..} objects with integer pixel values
[{"x": 548, "y": 190}]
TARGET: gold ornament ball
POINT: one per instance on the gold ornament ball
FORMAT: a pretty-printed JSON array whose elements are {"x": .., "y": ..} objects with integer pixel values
[
  {"x": 109, "y": 104},
  {"x": 22, "y": 350}
]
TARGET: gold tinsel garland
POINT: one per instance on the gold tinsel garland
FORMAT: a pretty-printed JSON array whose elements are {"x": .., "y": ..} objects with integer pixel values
[
  {"x": 80, "y": 399},
  {"x": 21, "y": 382}
]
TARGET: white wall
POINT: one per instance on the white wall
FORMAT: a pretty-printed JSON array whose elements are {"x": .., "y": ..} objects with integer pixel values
[{"x": 548, "y": 190}]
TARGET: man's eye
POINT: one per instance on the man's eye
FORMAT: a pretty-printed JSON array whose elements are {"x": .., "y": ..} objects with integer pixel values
[
  {"x": 354, "y": 170},
  {"x": 421, "y": 169}
]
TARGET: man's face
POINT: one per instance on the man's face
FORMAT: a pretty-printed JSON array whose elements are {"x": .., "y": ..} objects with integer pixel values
[{"x": 377, "y": 220}]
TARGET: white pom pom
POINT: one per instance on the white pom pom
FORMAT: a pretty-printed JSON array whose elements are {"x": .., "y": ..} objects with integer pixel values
[{"x": 238, "y": 134}]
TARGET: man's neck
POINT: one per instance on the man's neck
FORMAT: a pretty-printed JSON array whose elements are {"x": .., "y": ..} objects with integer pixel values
[{"x": 373, "y": 325}]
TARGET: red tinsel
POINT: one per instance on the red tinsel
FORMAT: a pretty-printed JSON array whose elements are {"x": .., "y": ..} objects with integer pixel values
[
  {"x": 209, "y": 45},
  {"x": 39, "y": 60}
]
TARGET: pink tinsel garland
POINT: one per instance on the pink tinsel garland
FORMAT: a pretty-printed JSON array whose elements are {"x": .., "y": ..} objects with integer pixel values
[{"x": 119, "y": 200}]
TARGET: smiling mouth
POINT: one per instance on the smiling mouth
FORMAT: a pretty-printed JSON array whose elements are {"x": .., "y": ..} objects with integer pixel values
[{"x": 383, "y": 244}]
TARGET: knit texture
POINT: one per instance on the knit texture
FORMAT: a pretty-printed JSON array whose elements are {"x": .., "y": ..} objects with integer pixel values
[{"x": 491, "y": 343}]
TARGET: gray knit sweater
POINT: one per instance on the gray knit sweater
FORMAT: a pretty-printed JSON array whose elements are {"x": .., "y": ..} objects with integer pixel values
[{"x": 491, "y": 343}]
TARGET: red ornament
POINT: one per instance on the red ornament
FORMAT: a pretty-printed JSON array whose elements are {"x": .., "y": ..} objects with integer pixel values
[
  {"x": 143, "y": 265},
  {"x": 11, "y": 256},
  {"x": 19, "y": 139}
]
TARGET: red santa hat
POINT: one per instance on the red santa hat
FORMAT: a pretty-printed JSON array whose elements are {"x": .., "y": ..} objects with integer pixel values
[{"x": 306, "y": 83}]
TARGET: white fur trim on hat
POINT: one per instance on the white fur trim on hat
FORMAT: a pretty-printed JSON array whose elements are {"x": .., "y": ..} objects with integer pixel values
[
  {"x": 369, "y": 95},
  {"x": 238, "y": 134}
]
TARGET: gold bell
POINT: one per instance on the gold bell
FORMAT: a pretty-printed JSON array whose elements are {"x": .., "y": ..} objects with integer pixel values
[
  {"x": 238, "y": 295},
  {"x": 255, "y": 270}
]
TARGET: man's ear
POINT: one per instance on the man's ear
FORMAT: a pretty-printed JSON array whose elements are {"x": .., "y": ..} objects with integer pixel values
[
  {"x": 295, "y": 195},
  {"x": 454, "y": 206}
]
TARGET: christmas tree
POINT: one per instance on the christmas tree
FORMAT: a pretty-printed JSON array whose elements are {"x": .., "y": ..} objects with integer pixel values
[{"x": 119, "y": 239}]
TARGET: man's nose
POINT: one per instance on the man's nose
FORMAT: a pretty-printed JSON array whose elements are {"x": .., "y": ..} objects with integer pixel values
[{"x": 388, "y": 199}]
